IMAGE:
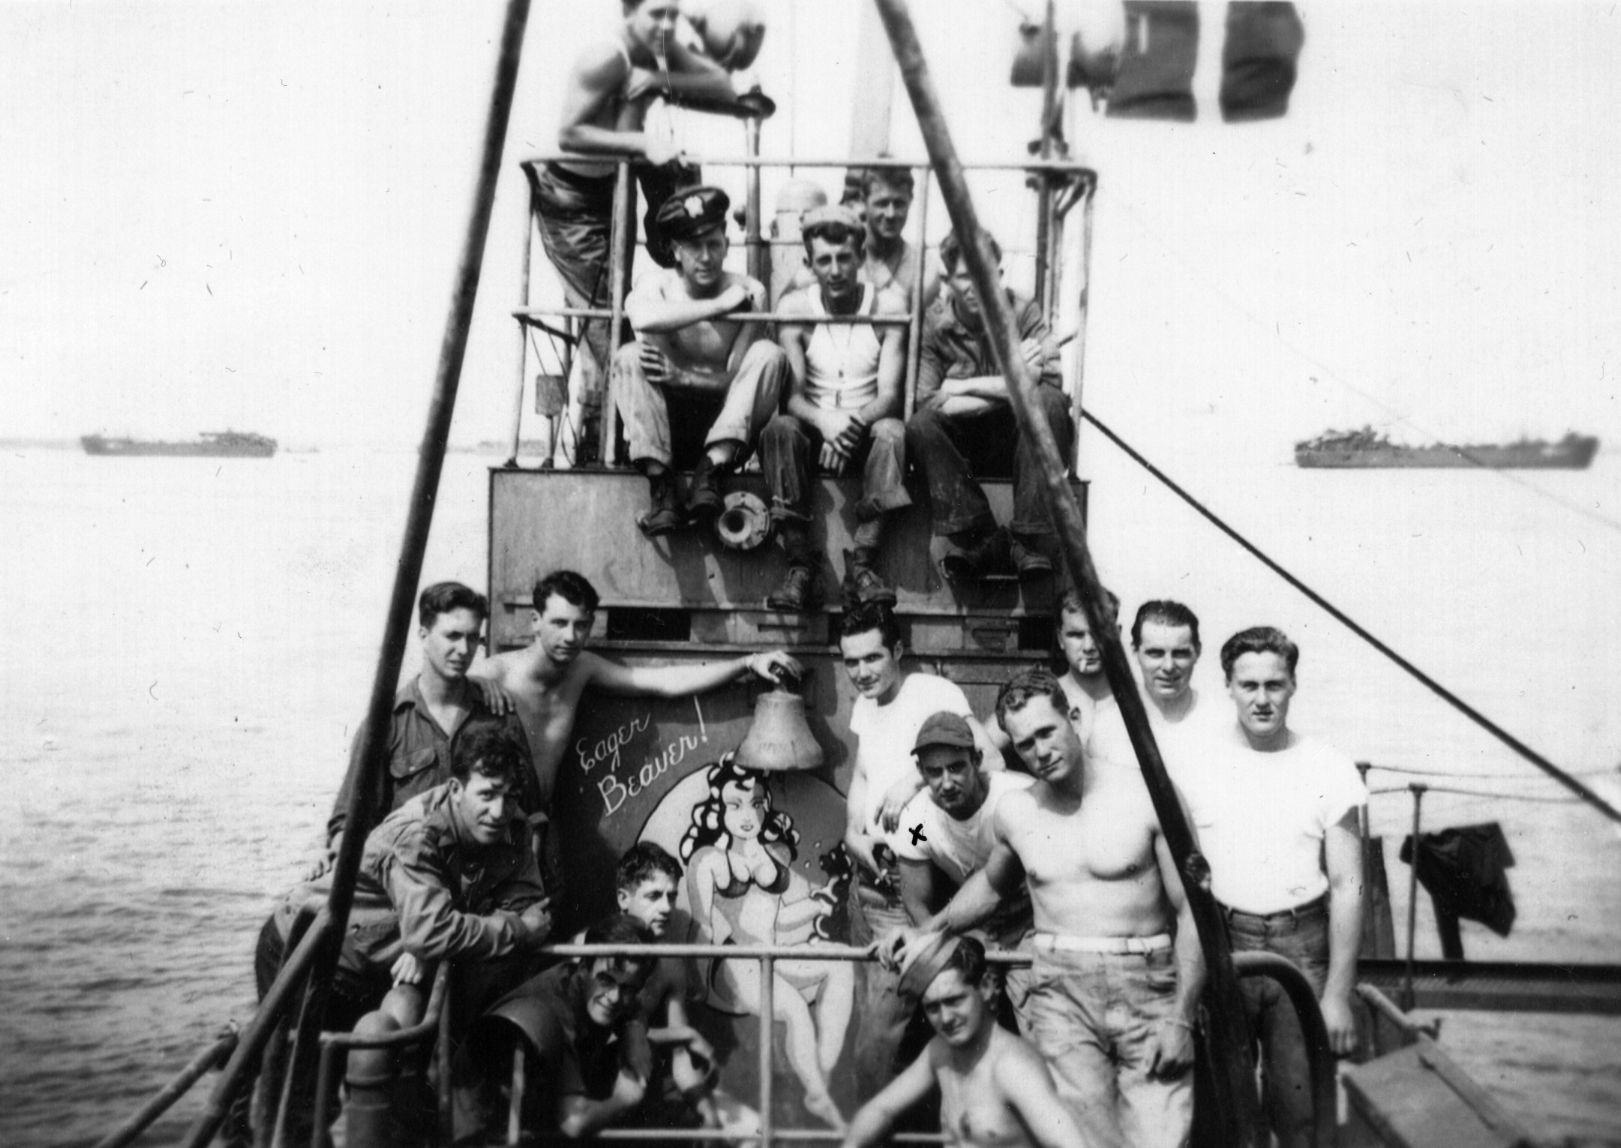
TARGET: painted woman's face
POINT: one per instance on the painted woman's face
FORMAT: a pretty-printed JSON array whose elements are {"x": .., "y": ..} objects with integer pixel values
[{"x": 744, "y": 806}]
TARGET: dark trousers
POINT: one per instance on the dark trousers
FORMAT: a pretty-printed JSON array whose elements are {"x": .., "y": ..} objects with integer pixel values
[
  {"x": 948, "y": 450},
  {"x": 1302, "y": 937}
]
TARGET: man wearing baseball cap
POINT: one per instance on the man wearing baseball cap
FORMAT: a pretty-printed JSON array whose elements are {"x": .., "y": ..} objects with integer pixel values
[
  {"x": 696, "y": 381},
  {"x": 844, "y": 403},
  {"x": 947, "y": 833},
  {"x": 1117, "y": 972}
]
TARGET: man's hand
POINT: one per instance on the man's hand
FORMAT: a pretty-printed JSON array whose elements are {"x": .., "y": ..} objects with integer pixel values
[
  {"x": 892, "y": 953},
  {"x": 774, "y": 665},
  {"x": 407, "y": 970},
  {"x": 628, "y": 1089},
  {"x": 735, "y": 298},
  {"x": 322, "y": 865},
  {"x": 832, "y": 460},
  {"x": 658, "y": 150},
  {"x": 656, "y": 365},
  {"x": 496, "y": 698},
  {"x": 700, "y": 1048},
  {"x": 843, "y": 430},
  {"x": 860, "y": 847},
  {"x": 1031, "y": 351},
  {"x": 1341, "y": 1025},
  {"x": 896, "y": 798},
  {"x": 537, "y": 921},
  {"x": 1173, "y": 1049}
]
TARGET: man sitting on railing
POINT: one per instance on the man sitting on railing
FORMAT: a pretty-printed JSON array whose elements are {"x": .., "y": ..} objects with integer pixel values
[
  {"x": 451, "y": 873},
  {"x": 572, "y": 1041},
  {"x": 605, "y": 102},
  {"x": 963, "y": 423},
  {"x": 692, "y": 368},
  {"x": 1115, "y": 983},
  {"x": 1286, "y": 870},
  {"x": 995, "y": 1092},
  {"x": 844, "y": 402}
]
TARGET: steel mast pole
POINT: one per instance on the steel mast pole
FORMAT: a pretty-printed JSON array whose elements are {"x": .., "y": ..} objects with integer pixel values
[
  {"x": 1231, "y": 1060},
  {"x": 372, "y": 760}
]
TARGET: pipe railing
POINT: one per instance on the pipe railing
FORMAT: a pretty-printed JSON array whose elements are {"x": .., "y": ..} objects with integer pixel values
[
  {"x": 1046, "y": 173},
  {"x": 204, "y": 1062},
  {"x": 1319, "y": 1053}
]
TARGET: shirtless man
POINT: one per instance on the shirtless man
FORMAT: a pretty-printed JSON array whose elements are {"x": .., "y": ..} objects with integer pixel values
[
  {"x": 546, "y": 679},
  {"x": 692, "y": 369},
  {"x": 1113, "y": 997},
  {"x": 843, "y": 411},
  {"x": 1084, "y": 682},
  {"x": 605, "y": 102},
  {"x": 995, "y": 1091}
]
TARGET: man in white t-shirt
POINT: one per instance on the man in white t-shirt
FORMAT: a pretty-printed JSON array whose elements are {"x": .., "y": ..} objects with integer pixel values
[
  {"x": 1270, "y": 804},
  {"x": 890, "y": 708},
  {"x": 947, "y": 833},
  {"x": 1165, "y": 642}
]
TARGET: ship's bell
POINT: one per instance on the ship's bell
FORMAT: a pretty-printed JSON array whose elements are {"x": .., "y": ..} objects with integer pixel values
[{"x": 779, "y": 738}]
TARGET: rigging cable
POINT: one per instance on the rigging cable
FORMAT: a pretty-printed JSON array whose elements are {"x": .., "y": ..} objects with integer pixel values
[
  {"x": 1335, "y": 377},
  {"x": 1568, "y": 780},
  {"x": 1540, "y": 800}
]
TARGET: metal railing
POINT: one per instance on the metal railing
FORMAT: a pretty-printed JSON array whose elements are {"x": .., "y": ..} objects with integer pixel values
[{"x": 1079, "y": 184}]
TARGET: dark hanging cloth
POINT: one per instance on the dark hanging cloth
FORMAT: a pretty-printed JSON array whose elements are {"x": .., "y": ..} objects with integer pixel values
[
  {"x": 1464, "y": 870},
  {"x": 1260, "y": 57}
]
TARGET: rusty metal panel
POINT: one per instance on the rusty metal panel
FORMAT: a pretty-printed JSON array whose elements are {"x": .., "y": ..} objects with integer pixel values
[{"x": 586, "y": 520}]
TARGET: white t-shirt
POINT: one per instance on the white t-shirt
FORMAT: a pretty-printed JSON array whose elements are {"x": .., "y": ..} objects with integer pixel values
[
  {"x": 1261, "y": 818},
  {"x": 1183, "y": 745},
  {"x": 959, "y": 848},
  {"x": 886, "y": 734}
]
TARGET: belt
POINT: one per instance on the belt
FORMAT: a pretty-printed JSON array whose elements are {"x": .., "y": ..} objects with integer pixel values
[
  {"x": 1063, "y": 943},
  {"x": 1315, "y": 905}
]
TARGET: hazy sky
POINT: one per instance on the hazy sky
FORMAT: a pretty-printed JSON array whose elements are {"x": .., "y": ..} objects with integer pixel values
[{"x": 248, "y": 214}]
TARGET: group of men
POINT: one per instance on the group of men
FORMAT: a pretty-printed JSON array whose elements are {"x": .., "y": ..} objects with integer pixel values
[
  {"x": 703, "y": 386},
  {"x": 1061, "y": 858},
  {"x": 826, "y": 395}
]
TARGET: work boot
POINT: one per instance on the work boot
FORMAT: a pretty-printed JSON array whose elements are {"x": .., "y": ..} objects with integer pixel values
[
  {"x": 703, "y": 496},
  {"x": 862, "y": 582},
  {"x": 664, "y": 515},
  {"x": 972, "y": 561},
  {"x": 1029, "y": 558},
  {"x": 797, "y": 593}
]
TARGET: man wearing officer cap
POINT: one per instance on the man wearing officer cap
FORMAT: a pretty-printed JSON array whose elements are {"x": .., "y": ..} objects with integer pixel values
[
  {"x": 694, "y": 370},
  {"x": 843, "y": 409},
  {"x": 994, "y": 1088}
]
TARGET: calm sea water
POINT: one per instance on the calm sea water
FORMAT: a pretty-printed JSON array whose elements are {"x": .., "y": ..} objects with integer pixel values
[{"x": 191, "y": 641}]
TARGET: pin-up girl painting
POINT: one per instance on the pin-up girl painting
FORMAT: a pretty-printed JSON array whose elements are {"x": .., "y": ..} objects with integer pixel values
[{"x": 744, "y": 890}]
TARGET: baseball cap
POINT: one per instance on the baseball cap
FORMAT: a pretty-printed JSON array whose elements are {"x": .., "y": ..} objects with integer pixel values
[{"x": 944, "y": 728}]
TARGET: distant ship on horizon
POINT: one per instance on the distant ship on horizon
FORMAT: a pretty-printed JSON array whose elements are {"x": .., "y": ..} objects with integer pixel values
[
  {"x": 209, "y": 444},
  {"x": 1367, "y": 449}
]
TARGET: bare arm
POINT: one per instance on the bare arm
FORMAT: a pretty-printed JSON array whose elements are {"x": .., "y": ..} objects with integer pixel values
[
  {"x": 579, "y": 1116},
  {"x": 650, "y": 312},
  {"x": 684, "y": 680},
  {"x": 748, "y": 333},
  {"x": 1028, "y": 1089},
  {"x": 596, "y": 81},
  {"x": 982, "y": 894},
  {"x": 879, "y": 1114},
  {"x": 1342, "y": 849},
  {"x": 1173, "y": 1053},
  {"x": 857, "y": 841},
  {"x": 918, "y": 889},
  {"x": 891, "y": 362}
]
